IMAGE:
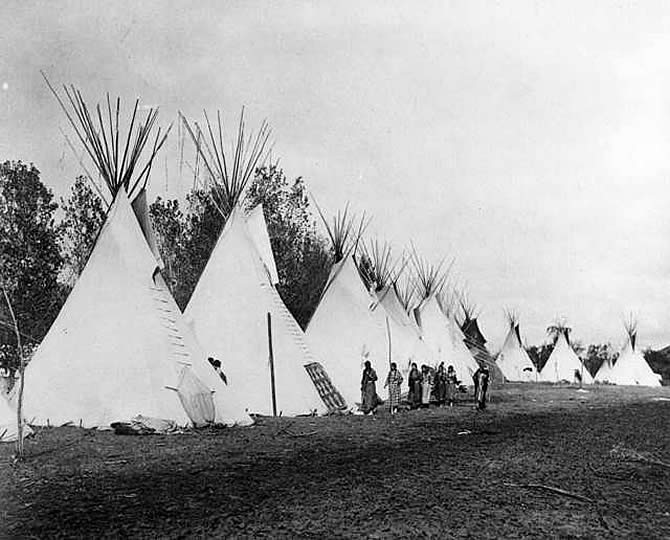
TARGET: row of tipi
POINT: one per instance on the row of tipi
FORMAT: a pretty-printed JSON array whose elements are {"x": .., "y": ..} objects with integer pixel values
[{"x": 120, "y": 346}]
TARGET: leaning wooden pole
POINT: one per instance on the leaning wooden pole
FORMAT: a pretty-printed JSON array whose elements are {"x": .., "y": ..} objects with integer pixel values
[
  {"x": 272, "y": 367},
  {"x": 388, "y": 333},
  {"x": 19, "y": 408}
]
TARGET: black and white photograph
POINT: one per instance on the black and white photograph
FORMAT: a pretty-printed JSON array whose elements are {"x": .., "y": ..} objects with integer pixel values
[{"x": 312, "y": 269}]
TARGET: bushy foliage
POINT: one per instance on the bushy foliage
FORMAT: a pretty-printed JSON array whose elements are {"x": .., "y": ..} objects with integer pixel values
[
  {"x": 301, "y": 254},
  {"x": 84, "y": 215},
  {"x": 30, "y": 257}
]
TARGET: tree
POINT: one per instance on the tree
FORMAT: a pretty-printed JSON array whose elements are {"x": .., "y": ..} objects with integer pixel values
[
  {"x": 30, "y": 259},
  {"x": 301, "y": 254},
  {"x": 185, "y": 240},
  {"x": 84, "y": 215}
]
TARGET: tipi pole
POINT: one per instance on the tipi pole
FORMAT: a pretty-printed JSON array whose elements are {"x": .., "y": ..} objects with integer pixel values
[
  {"x": 19, "y": 407},
  {"x": 272, "y": 367},
  {"x": 388, "y": 332}
]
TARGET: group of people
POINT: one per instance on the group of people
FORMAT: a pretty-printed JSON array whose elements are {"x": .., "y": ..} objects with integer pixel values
[{"x": 443, "y": 382}]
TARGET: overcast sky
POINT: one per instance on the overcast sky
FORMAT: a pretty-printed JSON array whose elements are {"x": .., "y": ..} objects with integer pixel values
[{"x": 530, "y": 140}]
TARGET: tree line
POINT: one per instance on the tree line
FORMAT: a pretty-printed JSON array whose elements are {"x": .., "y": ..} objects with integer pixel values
[{"x": 45, "y": 244}]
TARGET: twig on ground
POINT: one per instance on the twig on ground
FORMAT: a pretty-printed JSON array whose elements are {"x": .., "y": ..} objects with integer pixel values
[
  {"x": 304, "y": 434},
  {"x": 556, "y": 490}
]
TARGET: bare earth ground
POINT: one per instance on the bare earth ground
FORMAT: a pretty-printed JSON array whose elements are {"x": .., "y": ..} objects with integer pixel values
[{"x": 353, "y": 476}]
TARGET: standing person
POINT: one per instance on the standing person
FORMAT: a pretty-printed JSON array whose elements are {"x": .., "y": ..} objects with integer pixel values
[
  {"x": 426, "y": 386},
  {"x": 441, "y": 384},
  {"x": 481, "y": 380},
  {"x": 452, "y": 385},
  {"x": 368, "y": 389},
  {"x": 414, "y": 380},
  {"x": 393, "y": 381}
]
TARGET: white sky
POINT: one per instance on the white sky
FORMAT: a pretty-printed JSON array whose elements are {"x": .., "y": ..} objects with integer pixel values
[{"x": 530, "y": 140}]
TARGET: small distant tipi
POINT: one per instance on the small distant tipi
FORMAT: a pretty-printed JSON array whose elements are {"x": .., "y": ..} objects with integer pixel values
[
  {"x": 563, "y": 364},
  {"x": 513, "y": 360},
  {"x": 630, "y": 368}
]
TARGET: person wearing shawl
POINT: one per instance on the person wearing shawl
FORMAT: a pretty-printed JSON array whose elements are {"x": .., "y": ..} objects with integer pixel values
[
  {"x": 481, "y": 380},
  {"x": 441, "y": 384},
  {"x": 368, "y": 389},
  {"x": 451, "y": 385},
  {"x": 414, "y": 380},
  {"x": 426, "y": 386},
  {"x": 393, "y": 381}
]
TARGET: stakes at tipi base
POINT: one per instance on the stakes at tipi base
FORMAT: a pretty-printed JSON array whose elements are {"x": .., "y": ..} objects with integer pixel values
[
  {"x": 513, "y": 360},
  {"x": 117, "y": 348},
  {"x": 631, "y": 368},
  {"x": 563, "y": 364},
  {"x": 265, "y": 359},
  {"x": 9, "y": 431}
]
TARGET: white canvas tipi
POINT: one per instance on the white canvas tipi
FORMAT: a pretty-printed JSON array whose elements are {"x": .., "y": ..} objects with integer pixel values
[
  {"x": 604, "y": 373},
  {"x": 513, "y": 360},
  {"x": 228, "y": 312},
  {"x": 115, "y": 350},
  {"x": 631, "y": 368},
  {"x": 563, "y": 364},
  {"x": 404, "y": 339},
  {"x": 345, "y": 331},
  {"x": 445, "y": 341}
]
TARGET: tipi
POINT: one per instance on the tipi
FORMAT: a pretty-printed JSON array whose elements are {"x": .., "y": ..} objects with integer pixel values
[
  {"x": 563, "y": 364},
  {"x": 631, "y": 368},
  {"x": 346, "y": 329},
  {"x": 117, "y": 349},
  {"x": 404, "y": 341},
  {"x": 476, "y": 342},
  {"x": 513, "y": 360},
  {"x": 439, "y": 331},
  {"x": 236, "y": 312}
]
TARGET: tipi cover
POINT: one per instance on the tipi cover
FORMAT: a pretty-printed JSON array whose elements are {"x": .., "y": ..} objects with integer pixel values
[
  {"x": 563, "y": 363},
  {"x": 228, "y": 314},
  {"x": 513, "y": 360},
  {"x": 476, "y": 343},
  {"x": 345, "y": 331},
  {"x": 445, "y": 339},
  {"x": 631, "y": 368},
  {"x": 116, "y": 349},
  {"x": 407, "y": 345},
  {"x": 604, "y": 372}
]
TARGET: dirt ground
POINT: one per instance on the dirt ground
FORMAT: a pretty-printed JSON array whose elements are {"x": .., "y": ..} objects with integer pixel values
[{"x": 443, "y": 473}]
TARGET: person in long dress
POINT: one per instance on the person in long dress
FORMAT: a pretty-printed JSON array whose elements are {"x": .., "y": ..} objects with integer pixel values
[
  {"x": 481, "y": 380},
  {"x": 426, "y": 386},
  {"x": 368, "y": 389},
  {"x": 393, "y": 381},
  {"x": 452, "y": 385},
  {"x": 441, "y": 384},
  {"x": 414, "y": 380}
]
